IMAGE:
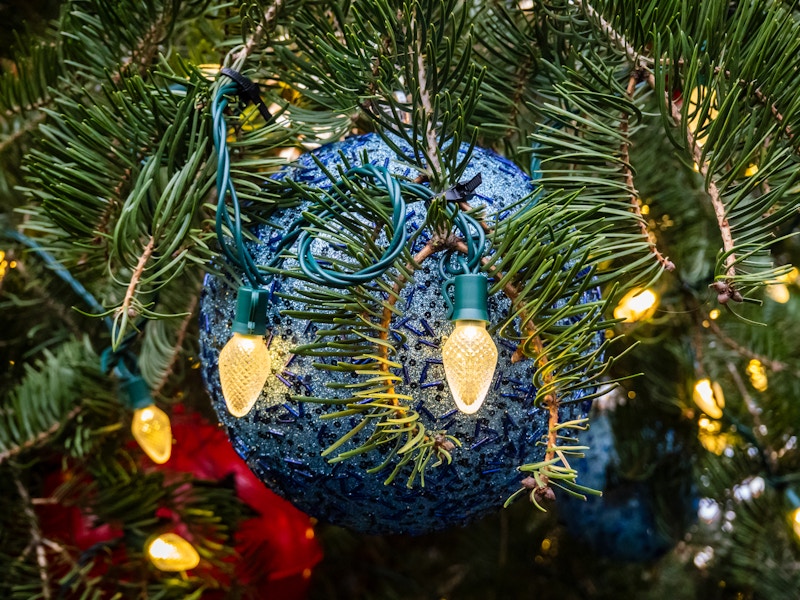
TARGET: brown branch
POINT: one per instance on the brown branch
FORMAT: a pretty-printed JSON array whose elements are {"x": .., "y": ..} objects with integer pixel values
[
  {"x": 386, "y": 318},
  {"x": 640, "y": 63},
  {"x": 41, "y": 437},
  {"x": 136, "y": 276},
  {"x": 176, "y": 348},
  {"x": 712, "y": 189},
  {"x": 36, "y": 539},
  {"x": 628, "y": 171},
  {"x": 773, "y": 365},
  {"x": 260, "y": 31},
  {"x": 425, "y": 99},
  {"x": 29, "y": 126},
  {"x": 551, "y": 401}
]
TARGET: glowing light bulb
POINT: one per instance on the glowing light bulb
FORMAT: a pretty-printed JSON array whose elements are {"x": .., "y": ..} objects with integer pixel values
[
  {"x": 779, "y": 292},
  {"x": 751, "y": 170},
  {"x": 796, "y": 521},
  {"x": 758, "y": 375},
  {"x": 636, "y": 305},
  {"x": 708, "y": 397},
  {"x": 170, "y": 552},
  {"x": 153, "y": 432},
  {"x": 470, "y": 358},
  {"x": 696, "y": 97},
  {"x": 244, "y": 365}
]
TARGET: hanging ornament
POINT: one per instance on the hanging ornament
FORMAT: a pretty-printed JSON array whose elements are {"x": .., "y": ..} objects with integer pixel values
[
  {"x": 630, "y": 522},
  {"x": 282, "y": 439}
]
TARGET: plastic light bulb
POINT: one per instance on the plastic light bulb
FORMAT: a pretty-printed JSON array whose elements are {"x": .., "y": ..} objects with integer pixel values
[
  {"x": 244, "y": 365},
  {"x": 170, "y": 552},
  {"x": 469, "y": 358},
  {"x": 636, "y": 305},
  {"x": 708, "y": 397},
  {"x": 153, "y": 432},
  {"x": 796, "y": 521}
]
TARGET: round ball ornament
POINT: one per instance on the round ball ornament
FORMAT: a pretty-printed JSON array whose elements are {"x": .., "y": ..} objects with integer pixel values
[{"x": 283, "y": 437}]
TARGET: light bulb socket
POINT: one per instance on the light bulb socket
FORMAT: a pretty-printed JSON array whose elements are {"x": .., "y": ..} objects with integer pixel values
[
  {"x": 470, "y": 294},
  {"x": 251, "y": 311},
  {"x": 135, "y": 393}
]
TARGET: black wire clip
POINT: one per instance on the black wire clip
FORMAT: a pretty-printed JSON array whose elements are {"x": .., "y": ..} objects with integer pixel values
[
  {"x": 463, "y": 190},
  {"x": 248, "y": 91}
]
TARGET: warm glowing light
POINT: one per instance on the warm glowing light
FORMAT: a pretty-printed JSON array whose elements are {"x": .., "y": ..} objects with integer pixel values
[
  {"x": 714, "y": 314},
  {"x": 170, "y": 552},
  {"x": 636, "y": 305},
  {"x": 698, "y": 96},
  {"x": 711, "y": 437},
  {"x": 244, "y": 365},
  {"x": 708, "y": 397},
  {"x": 751, "y": 170},
  {"x": 790, "y": 277},
  {"x": 796, "y": 521},
  {"x": 758, "y": 375},
  {"x": 470, "y": 357},
  {"x": 152, "y": 430},
  {"x": 779, "y": 292}
]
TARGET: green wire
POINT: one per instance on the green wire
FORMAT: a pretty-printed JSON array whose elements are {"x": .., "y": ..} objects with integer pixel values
[{"x": 234, "y": 247}]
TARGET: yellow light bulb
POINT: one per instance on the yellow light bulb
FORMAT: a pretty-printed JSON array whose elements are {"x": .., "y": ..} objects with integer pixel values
[
  {"x": 708, "y": 397},
  {"x": 758, "y": 375},
  {"x": 244, "y": 365},
  {"x": 796, "y": 521},
  {"x": 779, "y": 292},
  {"x": 470, "y": 357},
  {"x": 696, "y": 97},
  {"x": 636, "y": 305},
  {"x": 170, "y": 552},
  {"x": 153, "y": 432}
]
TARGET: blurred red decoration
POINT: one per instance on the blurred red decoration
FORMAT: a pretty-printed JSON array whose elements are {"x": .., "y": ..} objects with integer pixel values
[{"x": 278, "y": 547}]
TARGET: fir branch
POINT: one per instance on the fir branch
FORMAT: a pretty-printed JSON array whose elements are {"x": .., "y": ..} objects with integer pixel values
[
  {"x": 40, "y": 438},
  {"x": 126, "y": 311}
]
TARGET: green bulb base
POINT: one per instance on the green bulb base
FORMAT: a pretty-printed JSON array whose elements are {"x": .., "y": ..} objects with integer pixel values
[
  {"x": 251, "y": 311},
  {"x": 135, "y": 393},
  {"x": 470, "y": 294}
]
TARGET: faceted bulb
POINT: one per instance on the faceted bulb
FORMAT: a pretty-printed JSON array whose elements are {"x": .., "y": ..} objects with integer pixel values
[
  {"x": 244, "y": 365},
  {"x": 153, "y": 432},
  {"x": 170, "y": 552},
  {"x": 469, "y": 358}
]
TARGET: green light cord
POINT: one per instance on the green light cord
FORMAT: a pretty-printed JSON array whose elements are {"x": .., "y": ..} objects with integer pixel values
[{"x": 234, "y": 248}]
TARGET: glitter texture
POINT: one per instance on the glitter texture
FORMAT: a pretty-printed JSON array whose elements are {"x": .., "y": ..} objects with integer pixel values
[
  {"x": 281, "y": 439},
  {"x": 244, "y": 365},
  {"x": 470, "y": 357}
]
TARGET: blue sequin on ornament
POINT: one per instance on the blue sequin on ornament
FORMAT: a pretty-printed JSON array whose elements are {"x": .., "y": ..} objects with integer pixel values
[{"x": 281, "y": 440}]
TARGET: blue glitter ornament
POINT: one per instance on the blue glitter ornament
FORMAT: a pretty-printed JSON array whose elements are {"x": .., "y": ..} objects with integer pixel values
[
  {"x": 281, "y": 439},
  {"x": 626, "y": 523}
]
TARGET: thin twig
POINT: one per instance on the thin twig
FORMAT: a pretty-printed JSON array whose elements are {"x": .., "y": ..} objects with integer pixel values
[
  {"x": 136, "y": 276},
  {"x": 386, "y": 319},
  {"x": 629, "y": 183},
  {"x": 425, "y": 99},
  {"x": 178, "y": 344},
  {"x": 36, "y": 538},
  {"x": 260, "y": 31},
  {"x": 30, "y": 125},
  {"x": 41, "y": 437}
]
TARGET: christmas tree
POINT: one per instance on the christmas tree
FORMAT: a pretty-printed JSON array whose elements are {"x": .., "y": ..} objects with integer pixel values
[{"x": 152, "y": 154}]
